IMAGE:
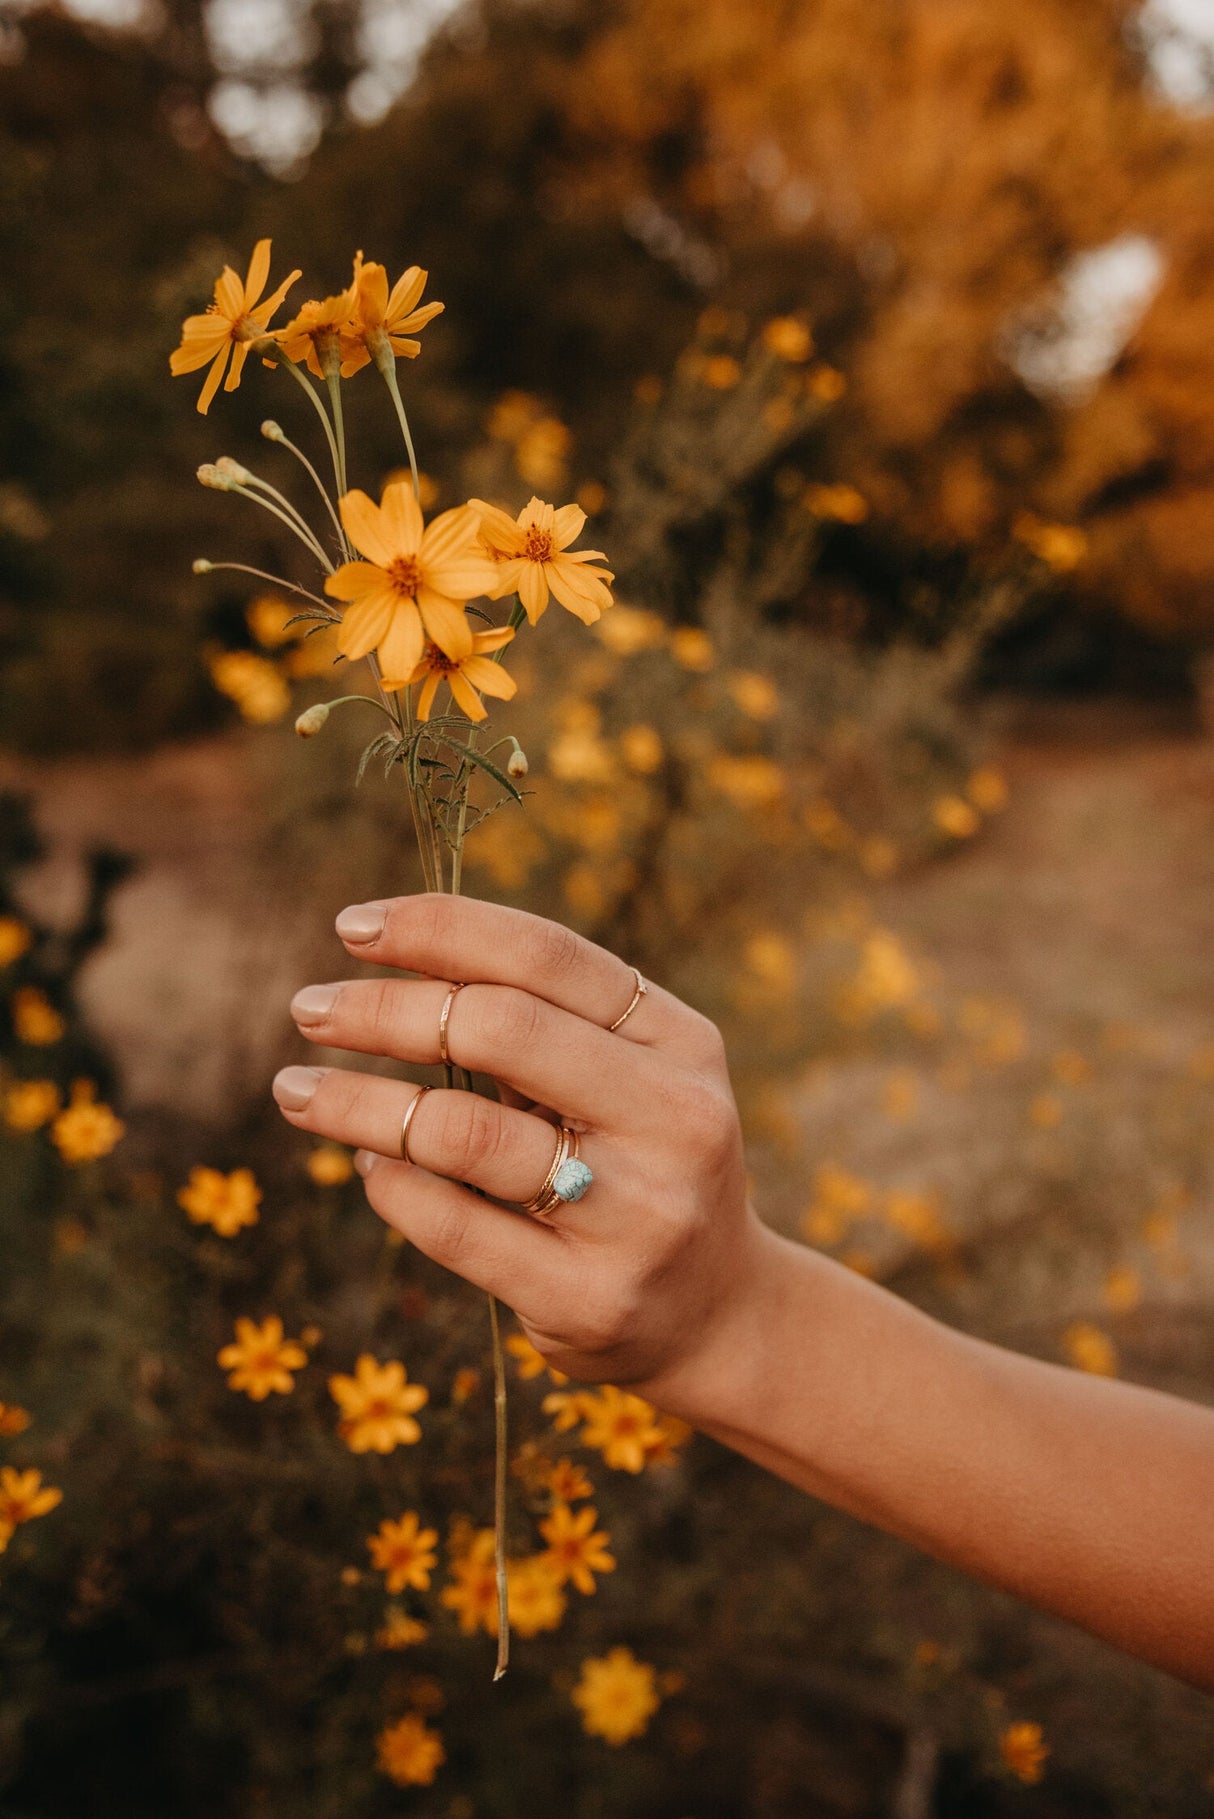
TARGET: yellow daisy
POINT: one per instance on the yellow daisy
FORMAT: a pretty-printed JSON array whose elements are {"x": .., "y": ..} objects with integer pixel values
[
  {"x": 230, "y": 324},
  {"x": 404, "y": 1552},
  {"x": 383, "y": 316},
  {"x": 261, "y": 1359},
  {"x": 617, "y": 1695},
  {"x": 533, "y": 559},
  {"x": 378, "y": 1405},
  {"x": 463, "y": 675},
  {"x": 576, "y": 1550},
  {"x": 23, "y": 1496},
  {"x": 413, "y": 583},
  {"x": 409, "y": 1753}
]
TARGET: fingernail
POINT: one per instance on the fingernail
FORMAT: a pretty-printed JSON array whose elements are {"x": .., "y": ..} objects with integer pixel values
[
  {"x": 362, "y": 922},
  {"x": 364, "y": 1162},
  {"x": 313, "y": 1003},
  {"x": 294, "y": 1086}
]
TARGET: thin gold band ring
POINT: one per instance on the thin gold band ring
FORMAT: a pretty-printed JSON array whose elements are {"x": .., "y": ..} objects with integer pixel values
[
  {"x": 444, "y": 1053},
  {"x": 410, "y": 1109},
  {"x": 638, "y": 994}
]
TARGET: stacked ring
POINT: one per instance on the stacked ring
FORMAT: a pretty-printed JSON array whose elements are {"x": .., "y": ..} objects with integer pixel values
[
  {"x": 567, "y": 1179},
  {"x": 638, "y": 994}
]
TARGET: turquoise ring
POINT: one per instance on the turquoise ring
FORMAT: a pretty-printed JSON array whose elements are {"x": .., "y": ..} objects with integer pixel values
[
  {"x": 567, "y": 1179},
  {"x": 572, "y": 1179}
]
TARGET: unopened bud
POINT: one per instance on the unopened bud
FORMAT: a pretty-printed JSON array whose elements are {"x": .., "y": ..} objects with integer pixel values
[
  {"x": 201, "y": 566},
  {"x": 240, "y": 476},
  {"x": 312, "y": 719},
  {"x": 516, "y": 764},
  {"x": 210, "y": 474},
  {"x": 273, "y": 432}
]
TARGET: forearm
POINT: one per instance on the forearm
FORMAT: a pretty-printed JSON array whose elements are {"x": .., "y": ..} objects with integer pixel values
[{"x": 1090, "y": 1498}]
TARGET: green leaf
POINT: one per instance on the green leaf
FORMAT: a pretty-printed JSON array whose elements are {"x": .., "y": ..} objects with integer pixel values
[{"x": 371, "y": 751}]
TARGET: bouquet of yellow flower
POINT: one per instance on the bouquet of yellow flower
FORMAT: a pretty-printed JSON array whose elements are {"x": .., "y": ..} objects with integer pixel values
[{"x": 396, "y": 591}]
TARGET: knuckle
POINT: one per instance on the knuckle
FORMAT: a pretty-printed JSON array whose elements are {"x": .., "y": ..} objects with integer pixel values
[
  {"x": 506, "y": 1019},
  {"x": 555, "y": 951},
  {"x": 378, "y": 1009},
  {"x": 418, "y": 924},
  {"x": 613, "y": 1311},
  {"x": 466, "y": 1133},
  {"x": 709, "y": 1043},
  {"x": 452, "y": 1229}
]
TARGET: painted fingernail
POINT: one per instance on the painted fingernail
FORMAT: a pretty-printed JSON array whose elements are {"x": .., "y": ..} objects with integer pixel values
[
  {"x": 362, "y": 922},
  {"x": 294, "y": 1086},
  {"x": 314, "y": 1003},
  {"x": 364, "y": 1162}
]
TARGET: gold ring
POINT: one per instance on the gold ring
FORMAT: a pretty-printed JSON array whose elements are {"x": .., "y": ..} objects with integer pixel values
[
  {"x": 444, "y": 1053},
  {"x": 541, "y": 1204},
  {"x": 639, "y": 993},
  {"x": 410, "y": 1109}
]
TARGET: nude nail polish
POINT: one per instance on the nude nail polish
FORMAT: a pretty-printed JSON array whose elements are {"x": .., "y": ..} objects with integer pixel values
[
  {"x": 294, "y": 1086},
  {"x": 313, "y": 1003},
  {"x": 362, "y": 922}
]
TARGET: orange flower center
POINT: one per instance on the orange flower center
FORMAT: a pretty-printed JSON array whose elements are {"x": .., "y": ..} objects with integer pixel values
[
  {"x": 439, "y": 662},
  {"x": 263, "y": 1361},
  {"x": 537, "y": 545},
  {"x": 405, "y": 574},
  {"x": 377, "y": 1409}
]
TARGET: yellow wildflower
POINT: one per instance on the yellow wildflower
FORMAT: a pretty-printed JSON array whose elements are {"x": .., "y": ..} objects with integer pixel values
[
  {"x": 671, "y": 1434},
  {"x": 917, "y": 1217},
  {"x": 13, "y": 1419},
  {"x": 987, "y": 790},
  {"x": 269, "y": 621},
  {"x": 533, "y": 559},
  {"x": 261, "y": 1359},
  {"x": 576, "y": 1550},
  {"x": 755, "y": 694},
  {"x": 235, "y": 319},
  {"x": 329, "y": 1166},
  {"x": 473, "y": 1595},
  {"x": 535, "y": 1600},
  {"x": 1023, "y": 1751},
  {"x": 404, "y": 1553},
  {"x": 464, "y": 1384},
  {"x": 565, "y": 1407},
  {"x": 385, "y": 321},
  {"x": 463, "y": 675},
  {"x": 617, "y": 1695},
  {"x": 789, "y": 338},
  {"x": 825, "y": 383},
  {"x": 227, "y": 1202},
  {"x": 23, "y": 1497},
  {"x": 15, "y": 939},
  {"x": 256, "y": 685},
  {"x": 838, "y": 1199},
  {"x": 840, "y": 504},
  {"x": 567, "y": 1482},
  {"x": 29, "y": 1104},
  {"x": 531, "y": 1362},
  {"x": 35, "y": 1019},
  {"x": 692, "y": 649},
  {"x": 721, "y": 372},
  {"x": 542, "y": 451},
  {"x": 954, "y": 816},
  {"x": 1122, "y": 1290},
  {"x": 400, "y": 1630},
  {"x": 1061, "y": 547},
  {"x": 1090, "y": 1350},
  {"x": 620, "y": 1426},
  {"x": 414, "y": 582},
  {"x": 85, "y": 1131},
  {"x": 322, "y": 333},
  {"x": 378, "y": 1405},
  {"x": 750, "y": 781},
  {"x": 409, "y": 1753},
  {"x": 641, "y": 747},
  {"x": 629, "y": 630}
]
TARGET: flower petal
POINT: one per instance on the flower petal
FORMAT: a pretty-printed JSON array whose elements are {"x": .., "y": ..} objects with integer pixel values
[
  {"x": 405, "y": 292},
  {"x": 577, "y": 603},
  {"x": 416, "y": 319},
  {"x": 229, "y": 294},
  {"x": 461, "y": 576},
  {"x": 407, "y": 350},
  {"x": 497, "y": 528},
  {"x": 509, "y": 574},
  {"x": 490, "y": 677},
  {"x": 400, "y": 651},
  {"x": 259, "y": 271},
  {"x": 354, "y": 579},
  {"x": 466, "y": 695},
  {"x": 240, "y": 353},
  {"x": 402, "y": 519},
  {"x": 425, "y": 701},
  {"x": 366, "y": 624},
  {"x": 493, "y": 640},
  {"x": 365, "y": 526},
  {"x": 195, "y": 351},
  {"x": 533, "y": 590},
  {"x": 213, "y": 377},
  {"x": 567, "y": 524},
  {"x": 372, "y": 294},
  {"x": 445, "y": 622},
  {"x": 449, "y": 533}
]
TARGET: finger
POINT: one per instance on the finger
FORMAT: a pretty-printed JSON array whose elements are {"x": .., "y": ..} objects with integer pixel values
[
  {"x": 461, "y": 1135},
  {"x": 524, "y": 1262},
  {"x": 461, "y": 938},
  {"x": 548, "y": 1054}
]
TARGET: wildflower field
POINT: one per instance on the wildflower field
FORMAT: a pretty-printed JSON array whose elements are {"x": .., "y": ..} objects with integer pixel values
[{"x": 879, "y": 733}]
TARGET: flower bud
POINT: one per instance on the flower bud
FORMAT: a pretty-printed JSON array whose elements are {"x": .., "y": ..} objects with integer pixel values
[
  {"x": 312, "y": 719},
  {"x": 273, "y": 432},
  {"x": 516, "y": 764},
  {"x": 201, "y": 566},
  {"x": 210, "y": 474},
  {"x": 239, "y": 476}
]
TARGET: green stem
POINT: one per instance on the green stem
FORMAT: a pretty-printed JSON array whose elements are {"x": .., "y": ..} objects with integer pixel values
[
  {"x": 297, "y": 517},
  {"x": 499, "y": 1493},
  {"x": 291, "y": 586},
  {"x": 305, "y": 536},
  {"x": 388, "y": 368},
  {"x": 319, "y": 483},
  {"x": 333, "y": 381},
  {"x": 301, "y": 378}
]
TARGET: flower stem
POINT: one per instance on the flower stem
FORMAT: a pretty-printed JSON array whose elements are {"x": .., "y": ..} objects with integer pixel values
[
  {"x": 305, "y": 535},
  {"x": 291, "y": 586},
  {"x": 333, "y": 380},
  {"x": 297, "y": 517},
  {"x": 320, "y": 486},
  {"x": 499, "y": 1492},
  {"x": 387, "y": 366},
  {"x": 301, "y": 378}
]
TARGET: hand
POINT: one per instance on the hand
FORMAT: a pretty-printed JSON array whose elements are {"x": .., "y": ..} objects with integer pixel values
[{"x": 622, "y": 1286}]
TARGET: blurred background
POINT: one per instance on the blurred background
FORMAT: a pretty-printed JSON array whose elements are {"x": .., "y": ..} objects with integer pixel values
[{"x": 878, "y": 343}]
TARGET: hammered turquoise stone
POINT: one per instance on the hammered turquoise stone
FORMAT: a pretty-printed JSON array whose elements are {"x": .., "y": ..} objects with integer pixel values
[{"x": 572, "y": 1179}]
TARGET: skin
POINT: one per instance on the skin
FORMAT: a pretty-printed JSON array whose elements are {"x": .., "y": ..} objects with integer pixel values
[{"x": 1091, "y": 1498}]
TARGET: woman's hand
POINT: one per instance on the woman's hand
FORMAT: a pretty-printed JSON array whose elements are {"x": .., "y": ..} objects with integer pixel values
[{"x": 623, "y": 1285}]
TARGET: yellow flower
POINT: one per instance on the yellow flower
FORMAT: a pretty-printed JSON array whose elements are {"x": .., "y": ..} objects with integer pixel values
[
  {"x": 35, "y": 1019},
  {"x": 22, "y": 1497},
  {"x": 576, "y": 1550},
  {"x": 463, "y": 675},
  {"x": 322, "y": 333},
  {"x": 953, "y": 815},
  {"x": 13, "y": 1419},
  {"x": 329, "y": 1166},
  {"x": 629, "y": 630},
  {"x": 15, "y": 939},
  {"x": 227, "y": 1202},
  {"x": 261, "y": 1359},
  {"x": 533, "y": 559},
  {"x": 672, "y": 1434},
  {"x": 692, "y": 649},
  {"x": 1061, "y": 547},
  {"x": 464, "y": 1384},
  {"x": 534, "y": 1597},
  {"x": 1023, "y": 1751},
  {"x": 384, "y": 321},
  {"x": 473, "y": 1596},
  {"x": 789, "y": 338},
  {"x": 253, "y": 682},
  {"x": 29, "y": 1104},
  {"x": 641, "y": 746},
  {"x": 400, "y": 1631},
  {"x": 568, "y": 1482},
  {"x": 409, "y": 1753},
  {"x": 414, "y": 582},
  {"x": 987, "y": 790},
  {"x": 269, "y": 621},
  {"x": 1122, "y": 1290},
  {"x": 404, "y": 1553},
  {"x": 230, "y": 324},
  {"x": 841, "y": 504},
  {"x": 531, "y": 1363},
  {"x": 825, "y": 383},
  {"x": 620, "y": 1426},
  {"x": 617, "y": 1695},
  {"x": 750, "y": 781},
  {"x": 85, "y": 1131},
  {"x": 565, "y": 1408},
  {"x": 721, "y": 372},
  {"x": 1090, "y": 1350},
  {"x": 378, "y": 1404},
  {"x": 754, "y": 693}
]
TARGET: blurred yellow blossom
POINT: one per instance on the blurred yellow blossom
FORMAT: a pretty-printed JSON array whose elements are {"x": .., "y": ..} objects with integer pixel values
[
  {"x": 542, "y": 452},
  {"x": 473, "y": 1595},
  {"x": 617, "y": 1695},
  {"x": 825, "y": 383},
  {"x": 619, "y": 1425},
  {"x": 237, "y": 317},
  {"x": 85, "y": 1130},
  {"x": 254, "y": 683},
  {"x": 226, "y": 1202},
  {"x": 789, "y": 338},
  {"x": 692, "y": 649},
  {"x": 771, "y": 959},
  {"x": 261, "y": 1359},
  {"x": 399, "y": 1630},
  {"x": 841, "y": 504},
  {"x": 1046, "y": 1111},
  {"x": 917, "y": 1217},
  {"x": 629, "y": 630},
  {"x": 13, "y": 1419},
  {"x": 954, "y": 816},
  {"x": 329, "y": 1166},
  {"x": 1061, "y": 547},
  {"x": 987, "y": 790},
  {"x": 641, "y": 749},
  {"x": 1023, "y": 1751},
  {"x": 535, "y": 1600},
  {"x": 23, "y": 1497},
  {"x": 268, "y": 619},
  {"x": 1122, "y": 1290},
  {"x": 509, "y": 847},
  {"x": 531, "y": 1363},
  {"x": 511, "y": 415},
  {"x": 900, "y": 1095},
  {"x": 582, "y": 889},
  {"x": 35, "y": 1019},
  {"x": 377, "y": 1405},
  {"x": 567, "y": 1482},
  {"x": 750, "y": 781},
  {"x": 409, "y": 1753},
  {"x": 1089, "y": 1349},
  {"x": 591, "y": 495},
  {"x": 576, "y": 1549},
  {"x": 660, "y": 1450},
  {"x": 404, "y": 1553},
  {"x": 29, "y": 1104},
  {"x": 754, "y": 693},
  {"x": 15, "y": 939},
  {"x": 464, "y": 1385},
  {"x": 885, "y": 980},
  {"x": 1070, "y": 1067},
  {"x": 721, "y": 372},
  {"x": 648, "y": 389},
  {"x": 565, "y": 1408},
  {"x": 838, "y": 1199}
]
